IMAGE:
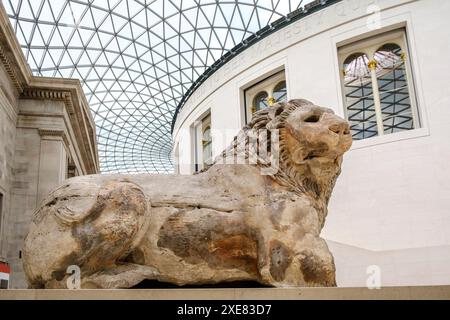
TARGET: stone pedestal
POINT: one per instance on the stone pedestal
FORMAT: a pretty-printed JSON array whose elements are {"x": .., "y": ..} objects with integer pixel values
[{"x": 241, "y": 294}]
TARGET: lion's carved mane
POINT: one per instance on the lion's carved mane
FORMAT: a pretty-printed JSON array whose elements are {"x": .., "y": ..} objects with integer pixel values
[{"x": 270, "y": 119}]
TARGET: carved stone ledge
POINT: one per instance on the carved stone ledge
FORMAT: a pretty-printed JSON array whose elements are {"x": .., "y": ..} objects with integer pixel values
[
  {"x": 54, "y": 133},
  {"x": 10, "y": 70},
  {"x": 36, "y": 93},
  {"x": 46, "y": 94}
]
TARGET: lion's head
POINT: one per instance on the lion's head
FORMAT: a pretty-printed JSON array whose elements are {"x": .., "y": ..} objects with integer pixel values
[{"x": 312, "y": 141}]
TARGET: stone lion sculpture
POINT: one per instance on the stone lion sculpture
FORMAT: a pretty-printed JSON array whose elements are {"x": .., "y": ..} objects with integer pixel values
[{"x": 228, "y": 223}]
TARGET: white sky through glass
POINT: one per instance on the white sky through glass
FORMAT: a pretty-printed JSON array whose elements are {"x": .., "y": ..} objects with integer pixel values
[{"x": 135, "y": 60}]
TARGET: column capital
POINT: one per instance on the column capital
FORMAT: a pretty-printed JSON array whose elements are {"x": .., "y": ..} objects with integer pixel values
[
  {"x": 54, "y": 133},
  {"x": 271, "y": 101},
  {"x": 403, "y": 56},
  {"x": 372, "y": 65}
]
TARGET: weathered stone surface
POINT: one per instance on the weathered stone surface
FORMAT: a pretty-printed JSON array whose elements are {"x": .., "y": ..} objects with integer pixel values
[{"x": 228, "y": 223}]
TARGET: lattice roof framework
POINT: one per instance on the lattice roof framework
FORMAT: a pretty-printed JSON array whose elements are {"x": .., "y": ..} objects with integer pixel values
[{"x": 135, "y": 59}]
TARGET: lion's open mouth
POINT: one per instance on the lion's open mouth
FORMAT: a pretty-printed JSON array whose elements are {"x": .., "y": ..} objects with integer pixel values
[{"x": 313, "y": 155}]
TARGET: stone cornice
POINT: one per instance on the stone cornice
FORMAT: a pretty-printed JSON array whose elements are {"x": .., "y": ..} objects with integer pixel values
[
  {"x": 11, "y": 55},
  {"x": 10, "y": 111},
  {"x": 34, "y": 93},
  {"x": 70, "y": 93},
  {"x": 55, "y": 133},
  {"x": 67, "y": 90},
  {"x": 51, "y": 132},
  {"x": 9, "y": 70}
]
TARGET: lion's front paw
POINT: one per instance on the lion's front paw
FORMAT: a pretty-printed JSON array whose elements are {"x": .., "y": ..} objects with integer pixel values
[
  {"x": 311, "y": 269},
  {"x": 265, "y": 276},
  {"x": 305, "y": 269}
]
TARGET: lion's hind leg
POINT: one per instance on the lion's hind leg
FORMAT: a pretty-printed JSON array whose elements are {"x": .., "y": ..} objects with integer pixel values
[
  {"x": 117, "y": 224},
  {"x": 124, "y": 275},
  {"x": 94, "y": 236}
]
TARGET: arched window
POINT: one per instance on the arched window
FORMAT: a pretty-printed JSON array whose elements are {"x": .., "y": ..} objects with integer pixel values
[
  {"x": 359, "y": 96},
  {"x": 207, "y": 146},
  {"x": 393, "y": 87},
  {"x": 203, "y": 143},
  {"x": 264, "y": 93},
  {"x": 279, "y": 92},
  {"x": 377, "y": 87},
  {"x": 260, "y": 101}
]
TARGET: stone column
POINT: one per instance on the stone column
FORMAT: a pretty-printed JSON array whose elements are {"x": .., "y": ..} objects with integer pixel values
[{"x": 52, "y": 161}]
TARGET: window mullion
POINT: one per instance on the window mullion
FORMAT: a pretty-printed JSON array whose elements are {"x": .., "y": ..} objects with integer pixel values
[
  {"x": 376, "y": 96},
  {"x": 409, "y": 84}
]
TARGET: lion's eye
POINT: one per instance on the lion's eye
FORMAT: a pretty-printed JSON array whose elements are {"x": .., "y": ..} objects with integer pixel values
[{"x": 313, "y": 118}]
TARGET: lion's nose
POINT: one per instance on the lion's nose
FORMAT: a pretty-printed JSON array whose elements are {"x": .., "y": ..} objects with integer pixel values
[{"x": 341, "y": 128}]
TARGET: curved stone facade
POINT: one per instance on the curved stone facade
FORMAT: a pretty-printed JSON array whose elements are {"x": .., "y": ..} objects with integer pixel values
[{"x": 390, "y": 207}]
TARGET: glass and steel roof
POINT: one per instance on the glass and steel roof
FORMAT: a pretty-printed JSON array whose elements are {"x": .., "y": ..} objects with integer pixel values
[{"x": 136, "y": 59}]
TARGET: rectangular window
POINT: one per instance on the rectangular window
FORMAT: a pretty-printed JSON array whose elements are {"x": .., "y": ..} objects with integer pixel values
[
  {"x": 265, "y": 93},
  {"x": 177, "y": 158},
  {"x": 377, "y": 86},
  {"x": 203, "y": 143}
]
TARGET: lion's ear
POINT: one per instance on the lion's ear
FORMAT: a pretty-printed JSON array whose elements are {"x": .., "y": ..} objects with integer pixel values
[{"x": 276, "y": 110}]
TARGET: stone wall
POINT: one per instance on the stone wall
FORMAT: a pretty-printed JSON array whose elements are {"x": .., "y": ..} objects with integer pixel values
[
  {"x": 44, "y": 141},
  {"x": 44, "y": 122},
  {"x": 412, "y": 266},
  {"x": 23, "y": 199},
  {"x": 8, "y": 118},
  {"x": 40, "y": 164}
]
